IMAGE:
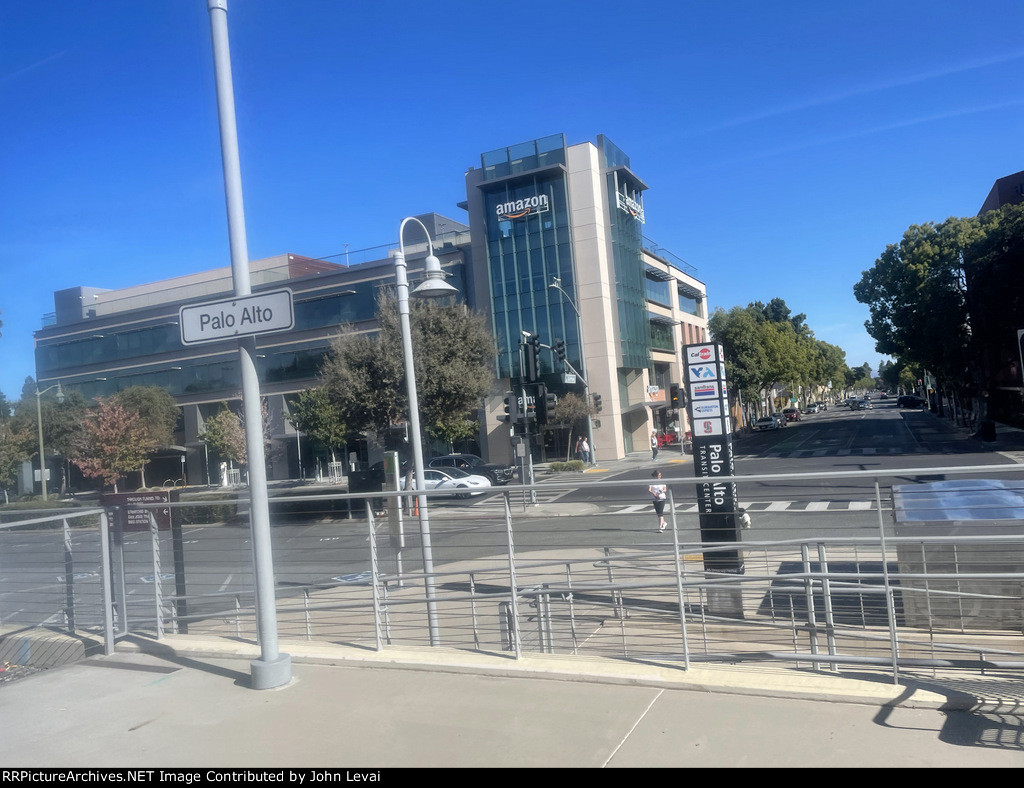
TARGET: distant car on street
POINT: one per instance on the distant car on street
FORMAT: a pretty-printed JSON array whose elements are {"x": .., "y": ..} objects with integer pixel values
[
  {"x": 791, "y": 414},
  {"x": 454, "y": 481},
  {"x": 498, "y": 473},
  {"x": 766, "y": 423},
  {"x": 812, "y": 408}
]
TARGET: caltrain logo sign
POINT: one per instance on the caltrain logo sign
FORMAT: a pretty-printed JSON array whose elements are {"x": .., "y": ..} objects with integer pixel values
[
  {"x": 700, "y": 354},
  {"x": 517, "y": 209}
]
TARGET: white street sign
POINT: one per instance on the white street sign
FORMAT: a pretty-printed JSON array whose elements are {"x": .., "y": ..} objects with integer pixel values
[{"x": 260, "y": 313}]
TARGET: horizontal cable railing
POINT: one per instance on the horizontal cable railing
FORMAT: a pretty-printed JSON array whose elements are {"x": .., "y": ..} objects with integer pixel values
[{"x": 825, "y": 585}]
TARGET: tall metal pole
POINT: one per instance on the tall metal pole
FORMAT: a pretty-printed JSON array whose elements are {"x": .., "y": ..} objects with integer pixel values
[
  {"x": 414, "y": 437},
  {"x": 42, "y": 457},
  {"x": 557, "y": 284},
  {"x": 273, "y": 668}
]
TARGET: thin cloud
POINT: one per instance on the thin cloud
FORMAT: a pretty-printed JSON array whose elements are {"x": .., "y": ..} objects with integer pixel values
[
  {"x": 32, "y": 67},
  {"x": 861, "y": 91},
  {"x": 814, "y": 143}
]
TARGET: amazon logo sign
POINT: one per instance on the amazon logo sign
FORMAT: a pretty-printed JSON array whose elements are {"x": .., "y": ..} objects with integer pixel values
[
  {"x": 630, "y": 206},
  {"x": 517, "y": 209}
]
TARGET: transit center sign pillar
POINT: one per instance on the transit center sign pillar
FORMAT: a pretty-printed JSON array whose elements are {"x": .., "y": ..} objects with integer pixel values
[{"x": 708, "y": 406}]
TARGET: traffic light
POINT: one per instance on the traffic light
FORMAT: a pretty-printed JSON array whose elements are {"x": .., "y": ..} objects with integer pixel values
[
  {"x": 511, "y": 407},
  {"x": 597, "y": 403},
  {"x": 545, "y": 404},
  {"x": 540, "y": 405},
  {"x": 559, "y": 347},
  {"x": 531, "y": 356},
  {"x": 674, "y": 398}
]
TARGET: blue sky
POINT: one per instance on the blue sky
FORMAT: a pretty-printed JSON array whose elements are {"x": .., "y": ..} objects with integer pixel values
[{"x": 785, "y": 144}]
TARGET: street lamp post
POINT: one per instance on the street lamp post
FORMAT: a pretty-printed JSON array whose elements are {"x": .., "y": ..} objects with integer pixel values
[
  {"x": 556, "y": 283},
  {"x": 39, "y": 422},
  {"x": 432, "y": 286}
]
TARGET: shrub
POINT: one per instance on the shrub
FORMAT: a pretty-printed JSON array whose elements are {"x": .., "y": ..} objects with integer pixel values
[{"x": 572, "y": 466}]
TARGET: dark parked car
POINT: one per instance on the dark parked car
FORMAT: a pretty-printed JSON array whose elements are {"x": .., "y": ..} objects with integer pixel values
[
  {"x": 908, "y": 401},
  {"x": 496, "y": 472}
]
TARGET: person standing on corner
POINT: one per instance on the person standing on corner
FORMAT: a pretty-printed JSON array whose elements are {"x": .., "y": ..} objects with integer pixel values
[
  {"x": 658, "y": 494},
  {"x": 585, "y": 450},
  {"x": 654, "y": 445}
]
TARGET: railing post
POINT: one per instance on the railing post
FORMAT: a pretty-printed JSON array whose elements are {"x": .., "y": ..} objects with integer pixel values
[
  {"x": 69, "y": 578},
  {"x": 513, "y": 583},
  {"x": 812, "y": 624},
  {"x": 158, "y": 589},
  {"x": 890, "y": 607},
  {"x": 680, "y": 589},
  {"x": 118, "y": 570},
  {"x": 572, "y": 608},
  {"x": 826, "y": 590},
  {"x": 105, "y": 583},
  {"x": 375, "y": 594},
  {"x": 472, "y": 611}
]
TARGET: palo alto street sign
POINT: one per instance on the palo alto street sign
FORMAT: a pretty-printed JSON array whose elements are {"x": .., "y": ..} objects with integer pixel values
[{"x": 260, "y": 313}]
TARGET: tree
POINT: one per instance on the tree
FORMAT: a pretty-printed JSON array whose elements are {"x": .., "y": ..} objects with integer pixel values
[
  {"x": 12, "y": 454},
  {"x": 224, "y": 434},
  {"x": 115, "y": 442},
  {"x": 157, "y": 411},
  {"x": 572, "y": 410},
  {"x": 63, "y": 422},
  {"x": 454, "y": 355},
  {"x": 313, "y": 414},
  {"x": 916, "y": 293}
]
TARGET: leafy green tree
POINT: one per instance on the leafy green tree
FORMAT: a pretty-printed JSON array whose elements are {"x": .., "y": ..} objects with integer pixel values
[
  {"x": 12, "y": 454},
  {"x": 114, "y": 442},
  {"x": 63, "y": 423},
  {"x": 313, "y": 414},
  {"x": 454, "y": 356},
  {"x": 572, "y": 410},
  {"x": 916, "y": 294},
  {"x": 223, "y": 432}
]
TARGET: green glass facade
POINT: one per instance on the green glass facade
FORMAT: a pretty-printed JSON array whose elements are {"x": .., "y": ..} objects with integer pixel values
[
  {"x": 624, "y": 191},
  {"x": 528, "y": 241}
]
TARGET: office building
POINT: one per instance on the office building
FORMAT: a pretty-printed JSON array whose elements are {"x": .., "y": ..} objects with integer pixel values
[{"x": 554, "y": 245}]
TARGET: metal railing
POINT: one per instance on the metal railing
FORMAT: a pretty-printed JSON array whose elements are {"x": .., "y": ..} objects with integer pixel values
[
  {"x": 55, "y": 591},
  {"x": 834, "y": 588}
]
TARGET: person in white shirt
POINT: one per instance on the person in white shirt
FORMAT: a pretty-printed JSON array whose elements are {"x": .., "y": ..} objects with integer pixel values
[
  {"x": 659, "y": 492},
  {"x": 585, "y": 451}
]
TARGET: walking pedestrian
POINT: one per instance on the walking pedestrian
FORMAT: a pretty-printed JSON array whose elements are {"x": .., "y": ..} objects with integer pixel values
[
  {"x": 659, "y": 492},
  {"x": 578, "y": 453},
  {"x": 585, "y": 450},
  {"x": 744, "y": 518},
  {"x": 654, "y": 445}
]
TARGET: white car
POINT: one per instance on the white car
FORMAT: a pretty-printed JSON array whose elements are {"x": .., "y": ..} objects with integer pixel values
[
  {"x": 766, "y": 423},
  {"x": 458, "y": 482}
]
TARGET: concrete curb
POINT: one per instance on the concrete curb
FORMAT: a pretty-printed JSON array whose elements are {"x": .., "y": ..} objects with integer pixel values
[{"x": 771, "y": 682}]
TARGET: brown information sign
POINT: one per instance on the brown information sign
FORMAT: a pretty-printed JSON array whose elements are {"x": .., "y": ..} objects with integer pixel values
[{"x": 137, "y": 518}]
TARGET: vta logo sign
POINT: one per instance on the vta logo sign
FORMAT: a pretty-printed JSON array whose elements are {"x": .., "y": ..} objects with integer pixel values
[{"x": 705, "y": 372}]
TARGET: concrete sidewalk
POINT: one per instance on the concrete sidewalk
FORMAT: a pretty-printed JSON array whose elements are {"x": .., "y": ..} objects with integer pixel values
[{"x": 186, "y": 702}]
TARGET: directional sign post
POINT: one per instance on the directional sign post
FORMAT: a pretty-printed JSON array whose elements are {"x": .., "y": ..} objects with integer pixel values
[{"x": 230, "y": 318}]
